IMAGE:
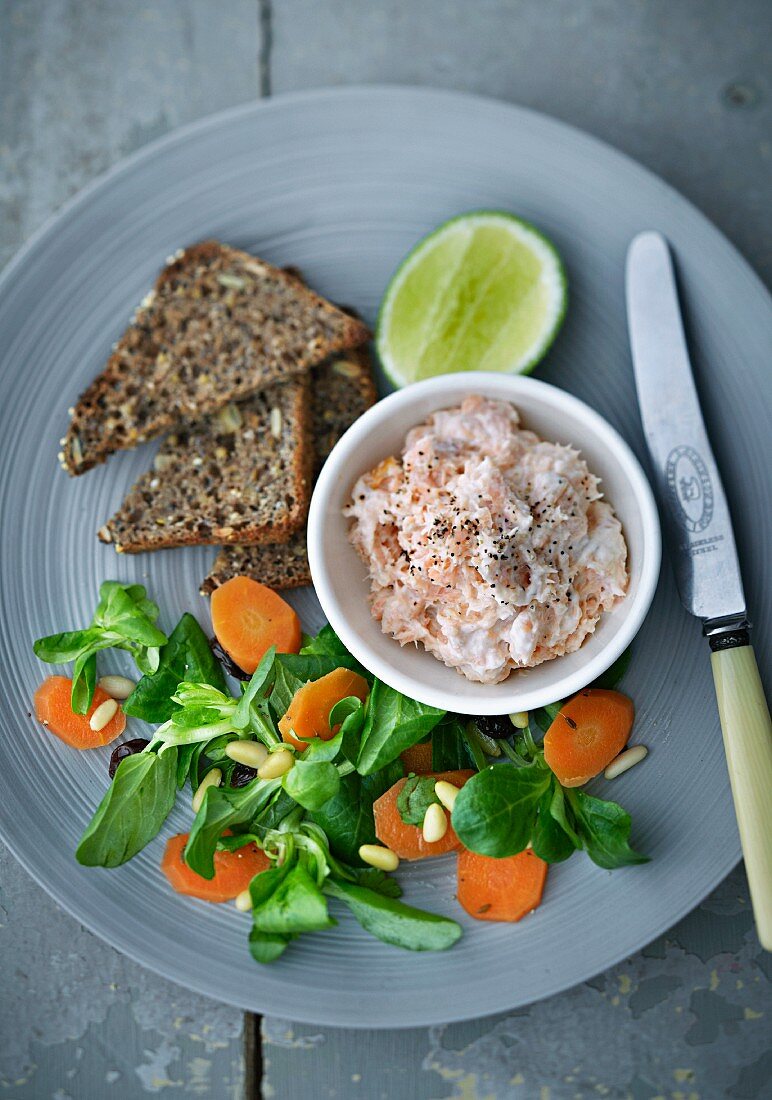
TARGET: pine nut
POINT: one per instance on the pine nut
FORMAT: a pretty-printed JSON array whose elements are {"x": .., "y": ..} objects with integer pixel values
[
  {"x": 519, "y": 719},
  {"x": 244, "y": 901},
  {"x": 626, "y": 760},
  {"x": 435, "y": 824},
  {"x": 378, "y": 856},
  {"x": 252, "y": 753},
  {"x": 213, "y": 778},
  {"x": 278, "y": 763},
  {"x": 446, "y": 793},
  {"x": 104, "y": 713},
  {"x": 117, "y": 687}
]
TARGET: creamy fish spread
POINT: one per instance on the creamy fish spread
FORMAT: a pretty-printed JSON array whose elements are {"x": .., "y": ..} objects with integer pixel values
[{"x": 487, "y": 545}]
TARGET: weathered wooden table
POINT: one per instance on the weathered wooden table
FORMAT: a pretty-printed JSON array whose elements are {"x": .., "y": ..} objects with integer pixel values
[{"x": 684, "y": 87}]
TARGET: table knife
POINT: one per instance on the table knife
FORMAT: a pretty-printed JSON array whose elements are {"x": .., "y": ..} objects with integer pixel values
[{"x": 702, "y": 547}]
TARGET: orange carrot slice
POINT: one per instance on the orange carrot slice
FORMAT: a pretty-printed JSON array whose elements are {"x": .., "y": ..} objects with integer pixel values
[
  {"x": 233, "y": 871},
  {"x": 249, "y": 618},
  {"x": 500, "y": 889},
  {"x": 587, "y": 733},
  {"x": 54, "y": 709},
  {"x": 407, "y": 840},
  {"x": 309, "y": 712},
  {"x": 418, "y": 758}
]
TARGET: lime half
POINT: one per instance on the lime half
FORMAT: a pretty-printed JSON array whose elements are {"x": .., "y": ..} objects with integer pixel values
[{"x": 485, "y": 291}]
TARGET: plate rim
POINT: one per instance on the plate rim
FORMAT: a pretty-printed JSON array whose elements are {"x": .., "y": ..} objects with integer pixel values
[{"x": 201, "y": 126}]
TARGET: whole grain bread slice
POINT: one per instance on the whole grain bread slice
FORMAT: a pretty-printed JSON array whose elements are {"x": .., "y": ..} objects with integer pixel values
[
  {"x": 342, "y": 390},
  {"x": 219, "y": 325},
  {"x": 241, "y": 475},
  {"x": 279, "y": 565}
]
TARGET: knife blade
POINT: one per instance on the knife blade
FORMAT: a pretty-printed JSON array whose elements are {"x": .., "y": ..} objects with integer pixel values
[
  {"x": 688, "y": 483},
  {"x": 703, "y": 549}
]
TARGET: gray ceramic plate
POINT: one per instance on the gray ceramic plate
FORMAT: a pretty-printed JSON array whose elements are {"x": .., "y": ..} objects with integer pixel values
[{"x": 342, "y": 183}]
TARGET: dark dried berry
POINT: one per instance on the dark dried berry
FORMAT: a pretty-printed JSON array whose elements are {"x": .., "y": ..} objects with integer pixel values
[
  {"x": 496, "y": 726},
  {"x": 227, "y": 661},
  {"x": 126, "y": 748},
  {"x": 241, "y": 775}
]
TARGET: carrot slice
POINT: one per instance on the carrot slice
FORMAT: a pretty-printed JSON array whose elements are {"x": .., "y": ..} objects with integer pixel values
[
  {"x": 54, "y": 709},
  {"x": 249, "y": 618},
  {"x": 407, "y": 840},
  {"x": 418, "y": 758},
  {"x": 587, "y": 733},
  {"x": 233, "y": 871},
  {"x": 309, "y": 712},
  {"x": 500, "y": 889}
]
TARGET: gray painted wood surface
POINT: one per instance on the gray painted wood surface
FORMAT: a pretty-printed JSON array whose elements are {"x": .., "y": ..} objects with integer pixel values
[
  {"x": 684, "y": 87},
  {"x": 83, "y": 83}
]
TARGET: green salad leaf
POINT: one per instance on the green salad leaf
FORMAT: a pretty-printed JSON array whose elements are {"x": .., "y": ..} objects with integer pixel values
[
  {"x": 224, "y": 808},
  {"x": 136, "y": 804},
  {"x": 375, "y": 880},
  {"x": 328, "y": 644},
  {"x": 345, "y": 743},
  {"x": 60, "y": 649},
  {"x": 348, "y": 819},
  {"x": 604, "y": 829},
  {"x": 252, "y": 704},
  {"x": 495, "y": 810},
  {"x": 285, "y": 684},
  {"x": 450, "y": 746},
  {"x": 551, "y": 841},
  {"x": 394, "y": 922},
  {"x": 185, "y": 657},
  {"x": 203, "y": 713},
  {"x": 126, "y": 610},
  {"x": 289, "y": 903},
  {"x": 267, "y": 947},
  {"x": 415, "y": 798},
  {"x": 124, "y": 619},
  {"x": 289, "y": 899},
  {"x": 312, "y": 783},
  {"x": 84, "y": 676},
  {"x": 393, "y": 723}
]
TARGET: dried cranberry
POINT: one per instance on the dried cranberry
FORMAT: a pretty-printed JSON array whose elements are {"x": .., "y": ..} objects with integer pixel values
[
  {"x": 126, "y": 748},
  {"x": 241, "y": 775},
  {"x": 227, "y": 661},
  {"x": 496, "y": 726}
]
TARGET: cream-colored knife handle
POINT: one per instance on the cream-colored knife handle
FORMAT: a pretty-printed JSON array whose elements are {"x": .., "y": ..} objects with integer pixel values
[{"x": 747, "y": 730}]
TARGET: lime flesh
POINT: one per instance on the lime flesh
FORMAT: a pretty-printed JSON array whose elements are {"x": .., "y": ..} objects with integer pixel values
[{"x": 485, "y": 291}]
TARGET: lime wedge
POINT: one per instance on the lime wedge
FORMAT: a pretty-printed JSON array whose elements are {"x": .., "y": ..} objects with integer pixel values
[{"x": 484, "y": 291}]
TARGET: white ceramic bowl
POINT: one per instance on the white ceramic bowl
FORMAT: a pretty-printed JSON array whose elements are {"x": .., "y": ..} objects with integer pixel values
[{"x": 340, "y": 577}]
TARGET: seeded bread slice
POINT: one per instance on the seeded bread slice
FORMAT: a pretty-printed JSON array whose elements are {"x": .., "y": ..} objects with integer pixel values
[
  {"x": 279, "y": 565},
  {"x": 342, "y": 390},
  {"x": 241, "y": 475},
  {"x": 219, "y": 326}
]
